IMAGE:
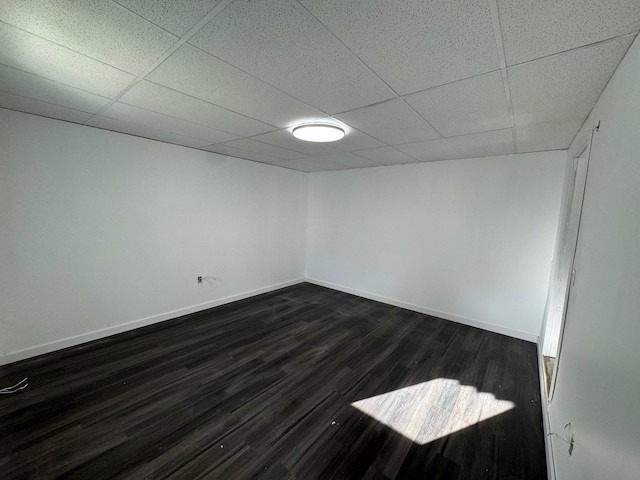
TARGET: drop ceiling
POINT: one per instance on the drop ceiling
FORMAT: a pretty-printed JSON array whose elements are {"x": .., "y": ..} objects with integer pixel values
[{"x": 411, "y": 81}]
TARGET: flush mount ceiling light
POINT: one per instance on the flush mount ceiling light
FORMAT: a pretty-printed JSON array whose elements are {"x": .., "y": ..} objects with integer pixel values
[{"x": 318, "y": 132}]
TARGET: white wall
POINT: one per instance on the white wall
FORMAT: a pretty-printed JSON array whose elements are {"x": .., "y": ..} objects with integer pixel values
[
  {"x": 598, "y": 383},
  {"x": 99, "y": 229},
  {"x": 469, "y": 240}
]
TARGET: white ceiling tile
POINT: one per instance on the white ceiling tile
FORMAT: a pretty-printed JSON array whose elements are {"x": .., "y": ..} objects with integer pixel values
[
  {"x": 290, "y": 164},
  {"x": 128, "y": 113},
  {"x": 223, "y": 149},
  {"x": 33, "y": 54},
  {"x": 96, "y": 28},
  {"x": 536, "y": 29},
  {"x": 441, "y": 55},
  {"x": 563, "y": 86},
  {"x": 391, "y": 122},
  {"x": 280, "y": 43},
  {"x": 29, "y": 85},
  {"x": 430, "y": 151},
  {"x": 29, "y": 105},
  {"x": 356, "y": 140},
  {"x": 321, "y": 164},
  {"x": 307, "y": 168},
  {"x": 145, "y": 132},
  {"x": 473, "y": 105},
  {"x": 294, "y": 165},
  {"x": 200, "y": 75},
  {"x": 175, "y": 16},
  {"x": 547, "y": 136},
  {"x": 284, "y": 139},
  {"x": 498, "y": 142},
  {"x": 265, "y": 149},
  {"x": 385, "y": 156},
  {"x": 347, "y": 159},
  {"x": 176, "y": 104},
  {"x": 414, "y": 44}
]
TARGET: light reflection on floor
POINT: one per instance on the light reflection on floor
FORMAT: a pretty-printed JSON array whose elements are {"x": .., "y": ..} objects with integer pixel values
[{"x": 427, "y": 411}]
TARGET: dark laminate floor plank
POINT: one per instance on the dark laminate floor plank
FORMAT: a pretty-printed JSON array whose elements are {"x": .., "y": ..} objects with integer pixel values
[{"x": 264, "y": 387}]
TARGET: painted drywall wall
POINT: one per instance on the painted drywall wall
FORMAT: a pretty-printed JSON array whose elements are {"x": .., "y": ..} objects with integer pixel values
[
  {"x": 468, "y": 240},
  {"x": 100, "y": 229},
  {"x": 8, "y": 288},
  {"x": 598, "y": 383}
]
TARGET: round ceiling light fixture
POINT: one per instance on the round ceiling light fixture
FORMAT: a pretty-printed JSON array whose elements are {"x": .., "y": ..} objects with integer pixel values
[{"x": 318, "y": 132}]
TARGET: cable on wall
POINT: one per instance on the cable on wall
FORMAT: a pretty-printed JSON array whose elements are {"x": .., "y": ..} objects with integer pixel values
[{"x": 568, "y": 435}]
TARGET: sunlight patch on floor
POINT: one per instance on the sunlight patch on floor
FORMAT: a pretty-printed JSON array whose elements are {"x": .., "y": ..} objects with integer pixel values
[{"x": 434, "y": 409}]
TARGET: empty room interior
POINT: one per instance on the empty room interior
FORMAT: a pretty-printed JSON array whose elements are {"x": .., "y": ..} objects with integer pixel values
[{"x": 320, "y": 239}]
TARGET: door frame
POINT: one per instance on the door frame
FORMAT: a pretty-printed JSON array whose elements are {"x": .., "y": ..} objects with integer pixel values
[{"x": 564, "y": 273}]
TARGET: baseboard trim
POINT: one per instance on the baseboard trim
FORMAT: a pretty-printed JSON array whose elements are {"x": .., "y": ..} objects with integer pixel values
[
  {"x": 544, "y": 404},
  {"x": 18, "y": 355},
  {"x": 428, "y": 311}
]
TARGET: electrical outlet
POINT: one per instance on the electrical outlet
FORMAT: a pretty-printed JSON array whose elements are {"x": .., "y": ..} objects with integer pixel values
[{"x": 200, "y": 279}]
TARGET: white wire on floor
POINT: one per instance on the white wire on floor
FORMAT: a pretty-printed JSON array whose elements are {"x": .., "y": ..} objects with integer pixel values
[{"x": 15, "y": 388}]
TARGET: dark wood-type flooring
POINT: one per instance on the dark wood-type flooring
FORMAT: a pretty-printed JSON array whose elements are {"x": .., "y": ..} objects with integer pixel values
[{"x": 262, "y": 388}]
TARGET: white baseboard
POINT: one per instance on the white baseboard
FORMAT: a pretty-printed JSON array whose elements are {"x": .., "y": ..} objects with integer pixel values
[
  {"x": 435, "y": 313},
  {"x": 18, "y": 355},
  {"x": 544, "y": 404}
]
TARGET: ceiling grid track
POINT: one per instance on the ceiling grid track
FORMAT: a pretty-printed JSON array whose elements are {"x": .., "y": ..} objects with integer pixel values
[
  {"x": 423, "y": 81},
  {"x": 497, "y": 31},
  {"x": 257, "y": 78},
  {"x": 351, "y": 52},
  {"x": 587, "y": 46},
  {"x": 184, "y": 39},
  {"x": 62, "y": 46},
  {"x": 395, "y": 94},
  {"x": 633, "y": 35},
  {"x": 342, "y": 45}
]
